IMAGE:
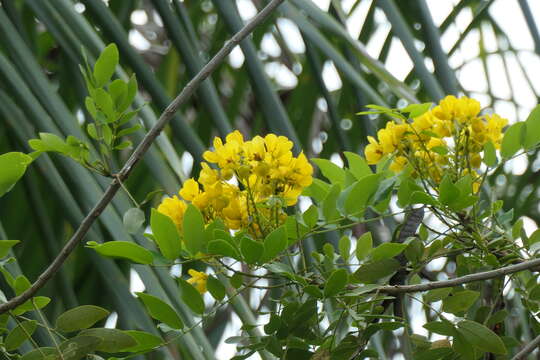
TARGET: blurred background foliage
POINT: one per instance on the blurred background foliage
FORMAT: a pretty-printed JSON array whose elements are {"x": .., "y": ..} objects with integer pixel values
[{"x": 304, "y": 74}]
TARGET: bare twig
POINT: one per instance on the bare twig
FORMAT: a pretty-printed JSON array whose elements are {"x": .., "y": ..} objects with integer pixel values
[
  {"x": 141, "y": 149},
  {"x": 526, "y": 265},
  {"x": 529, "y": 348}
]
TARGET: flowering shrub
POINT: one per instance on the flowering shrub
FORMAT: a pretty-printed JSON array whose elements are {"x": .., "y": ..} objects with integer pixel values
[
  {"x": 445, "y": 140},
  {"x": 253, "y": 183},
  {"x": 334, "y": 280}
]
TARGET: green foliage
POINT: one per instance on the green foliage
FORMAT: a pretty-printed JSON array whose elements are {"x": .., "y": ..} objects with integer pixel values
[
  {"x": 161, "y": 311},
  {"x": 321, "y": 302},
  {"x": 134, "y": 220},
  {"x": 166, "y": 235},
  {"x": 191, "y": 297},
  {"x": 123, "y": 250},
  {"x": 22, "y": 332},
  {"x": 81, "y": 317},
  {"x": 193, "y": 226},
  {"x": 13, "y": 167}
]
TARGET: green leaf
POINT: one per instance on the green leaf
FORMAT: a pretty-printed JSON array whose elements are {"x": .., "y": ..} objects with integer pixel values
[
  {"x": 78, "y": 347},
  {"x": 37, "y": 302},
  {"x": 357, "y": 165},
  {"x": 123, "y": 145},
  {"x": 317, "y": 190},
  {"x": 49, "y": 142},
  {"x": 532, "y": 126},
  {"x": 118, "y": 90},
  {"x": 511, "y": 141},
  {"x": 331, "y": 171},
  {"x": 21, "y": 284},
  {"x": 223, "y": 248},
  {"x": 311, "y": 216},
  {"x": 41, "y": 353},
  {"x": 161, "y": 311},
  {"x": 92, "y": 131},
  {"x": 358, "y": 195},
  {"x": 191, "y": 297},
  {"x": 448, "y": 192},
  {"x": 329, "y": 206},
  {"x": 481, "y": 337},
  {"x": 460, "y": 301},
  {"x": 516, "y": 229},
  {"x": 345, "y": 247},
  {"x": 364, "y": 244},
  {"x": 104, "y": 102},
  {"x": 20, "y": 334},
  {"x": 371, "y": 272},
  {"x": 237, "y": 280},
  {"x": 132, "y": 92},
  {"x": 387, "y": 251},
  {"x": 335, "y": 282},
  {"x": 440, "y": 327},
  {"x": 534, "y": 293},
  {"x": 434, "y": 354},
  {"x": 193, "y": 226},
  {"x": 145, "y": 341},
  {"x": 314, "y": 291},
  {"x": 129, "y": 130},
  {"x": 123, "y": 250},
  {"x": 13, "y": 165},
  {"x": 274, "y": 243},
  {"x": 405, "y": 191},
  {"x": 5, "y": 246},
  {"x": 105, "y": 65},
  {"x": 81, "y": 317},
  {"x": 251, "y": 250},
  {"x": 490, "y": 154},
  {"x": 112, "y": 340},
  {"x": 166, "y": 235},
  {"x": 416, "y": 110},
  {"x": 497, "y": 318},
  {"x": 420, "y": 197},
  {"x": 133, "y": 220},
  {"x": 437, "y": 294},
  {"x": 216, "y": 288}
]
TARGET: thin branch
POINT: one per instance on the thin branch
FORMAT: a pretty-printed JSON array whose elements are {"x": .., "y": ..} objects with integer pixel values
[
  {"x": 529, "y": 348},
  {"x": 526, "y": 265},
  {"x": 141, "y": 149}
]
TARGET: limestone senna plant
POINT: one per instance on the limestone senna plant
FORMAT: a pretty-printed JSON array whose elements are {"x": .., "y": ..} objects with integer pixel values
[
  {"x": 332, "y": 301},
  {"x": 239, "y": 211}
]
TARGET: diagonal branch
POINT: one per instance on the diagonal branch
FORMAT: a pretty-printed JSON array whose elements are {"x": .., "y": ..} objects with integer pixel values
[
  {"x": 398, "y": 289},
  {"x": 141, "y": 149},
  {"x": 527, "y": 349}
]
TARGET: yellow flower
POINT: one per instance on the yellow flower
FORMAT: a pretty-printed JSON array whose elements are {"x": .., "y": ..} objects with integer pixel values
[
  {"x": 269, "y": 178},
  {"x": 462, "y": 110},
  {"x": 435, "y": 142},
  {"x": 423, "y": 122},
  {"x": 190, "y": 190},
  {"x": 173, "y": 208},
  {"x": 398, "y": 164},
  {"x": 198, "y": 280},
  {"x": 475, "y": 160},
  {"x": 494, "y": 125},
  {"x": 208, "y": 176},
  {"x": 373, "y": 151}
]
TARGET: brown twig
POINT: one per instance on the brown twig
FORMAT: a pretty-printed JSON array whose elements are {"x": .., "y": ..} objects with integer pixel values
[
  {"x": 141, "y": 149},
  {"x": 398, "y": 289},
  {"x": 529, "y": 348}
]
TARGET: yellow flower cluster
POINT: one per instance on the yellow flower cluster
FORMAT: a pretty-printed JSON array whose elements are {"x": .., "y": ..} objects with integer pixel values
[
  {"x": 250, "y": 185},
  {"x": 445, "y": 140},
  {"x": 198, "y": 280}
]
